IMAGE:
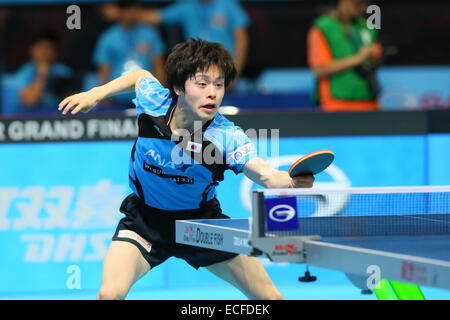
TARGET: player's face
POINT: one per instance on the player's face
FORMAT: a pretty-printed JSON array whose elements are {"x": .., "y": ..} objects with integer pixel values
[
  {"x": 203, "y": 94},
  {"x": 129, "y": 16},
  {"x": 353, "y": 9},
  {"x": 43, "y": 51}
]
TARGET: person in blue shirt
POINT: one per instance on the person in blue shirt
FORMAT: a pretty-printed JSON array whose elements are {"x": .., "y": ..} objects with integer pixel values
[
  {"x": 37, "y": 80},
  {"x": 223, "y": 21},
  {"x": 182, "y": 151},
  {"x": 128, "y": 46}
]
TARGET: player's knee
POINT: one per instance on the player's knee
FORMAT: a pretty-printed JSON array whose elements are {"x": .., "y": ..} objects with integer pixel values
[
  {"x": 268, "y": 293},
  {"x": 108, "y": 293}
]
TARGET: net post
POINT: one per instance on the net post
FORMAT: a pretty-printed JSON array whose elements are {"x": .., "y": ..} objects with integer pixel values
[{"x": 257, "y": 224}]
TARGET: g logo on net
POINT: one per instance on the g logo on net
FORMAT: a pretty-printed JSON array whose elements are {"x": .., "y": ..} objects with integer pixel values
[{"x": 282, "y": 213}]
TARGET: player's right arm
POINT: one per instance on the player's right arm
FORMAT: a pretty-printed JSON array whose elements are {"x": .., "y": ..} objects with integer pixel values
[{"x": 87, "y": 100}]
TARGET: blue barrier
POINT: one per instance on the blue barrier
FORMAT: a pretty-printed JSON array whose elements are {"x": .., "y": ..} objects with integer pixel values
[{"x": 402, "y": 88}]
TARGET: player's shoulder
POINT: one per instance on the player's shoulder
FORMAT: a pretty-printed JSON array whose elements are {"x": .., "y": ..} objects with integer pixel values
[
  {"x": 25, "y": 73},
  {"x": 235, "y": 144},
  {"x": 220, "y": 121},
  {"x": 28, "y": 66},
  {"x": 111, "y": 31},
  {"x": 61, "y": 69},
  {"x": 223, "y": 127},
  {"x": 109, "y": 36},
  {"x": 325, "y": 20},
  {"x": 152, "y": 98}
]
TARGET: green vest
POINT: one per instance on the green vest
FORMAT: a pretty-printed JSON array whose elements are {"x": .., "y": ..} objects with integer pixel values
[{"x": 347, "y": 85}]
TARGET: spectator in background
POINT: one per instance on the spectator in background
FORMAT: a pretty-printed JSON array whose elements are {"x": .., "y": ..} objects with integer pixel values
[
  {"x": 343, "y": 53},
  {"x": 129, "y": 46},
  {"x": 223, "y": 21},
  {"x": 40, "y": 80}
]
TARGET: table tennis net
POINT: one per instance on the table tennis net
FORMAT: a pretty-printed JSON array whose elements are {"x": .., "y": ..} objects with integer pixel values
[{"x": 355, "y": 212}]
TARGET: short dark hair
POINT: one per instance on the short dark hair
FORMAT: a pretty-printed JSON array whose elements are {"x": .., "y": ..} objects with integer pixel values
[
  {"x": 195, "y": 55},
  {"x": 45, "y": 34}
]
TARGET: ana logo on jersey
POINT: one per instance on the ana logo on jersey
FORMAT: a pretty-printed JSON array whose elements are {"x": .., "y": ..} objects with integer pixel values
[{"x": 162, "y": 162}]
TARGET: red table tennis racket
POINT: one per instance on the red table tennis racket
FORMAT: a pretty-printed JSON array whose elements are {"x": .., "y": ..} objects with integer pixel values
[{"x": 312, "y": 163}]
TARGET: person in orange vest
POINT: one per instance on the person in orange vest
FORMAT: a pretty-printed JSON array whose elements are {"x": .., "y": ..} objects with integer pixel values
[{"x": 343, "y": 52}]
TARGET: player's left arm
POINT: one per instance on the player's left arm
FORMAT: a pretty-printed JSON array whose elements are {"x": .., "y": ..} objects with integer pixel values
[
  {"x": 160, "y": 73},
  {"x": 260, "y": 172},
  {"x": 87, "y": 100}
]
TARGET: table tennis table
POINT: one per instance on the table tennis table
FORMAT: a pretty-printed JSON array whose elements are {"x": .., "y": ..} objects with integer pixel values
[{"x": 401, "y": 246}]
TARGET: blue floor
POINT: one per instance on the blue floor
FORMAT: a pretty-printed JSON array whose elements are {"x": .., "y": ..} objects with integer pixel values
[
  {"x": 290, "y": 292},
  {"x": 335, "y": 287},
  {"x": 187, "y": 283}
]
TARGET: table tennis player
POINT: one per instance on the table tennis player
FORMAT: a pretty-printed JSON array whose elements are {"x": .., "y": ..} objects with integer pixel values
[{"x": 165, "y": 190}]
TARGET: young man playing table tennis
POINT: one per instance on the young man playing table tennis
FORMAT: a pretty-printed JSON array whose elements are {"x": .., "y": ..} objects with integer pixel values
[{"x": 166, "y": 190}]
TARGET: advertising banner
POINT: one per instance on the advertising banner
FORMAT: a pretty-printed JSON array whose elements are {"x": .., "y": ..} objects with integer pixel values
[{"x": 59, "y": 202}]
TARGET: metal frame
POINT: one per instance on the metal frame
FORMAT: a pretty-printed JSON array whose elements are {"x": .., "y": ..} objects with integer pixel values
[
  {"x": 392, "y": 266},
  {"x": 315, "y": 252},
  {"x": 353, "y": 190},
  {"x": 349, "y": 259}
]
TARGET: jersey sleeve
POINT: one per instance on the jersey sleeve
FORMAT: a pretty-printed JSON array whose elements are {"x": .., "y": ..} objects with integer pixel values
[
  {"x": 239, "y": 150},
  {"x": 61, "y": 70},
  {"x": 151, "y": 97}
]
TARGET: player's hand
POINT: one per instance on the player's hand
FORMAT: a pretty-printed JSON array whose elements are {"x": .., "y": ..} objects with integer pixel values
[
  {"x": 302, "y": 182},
  {"x": 83, "y": 101},
  {"x": 42, "y": 69}
]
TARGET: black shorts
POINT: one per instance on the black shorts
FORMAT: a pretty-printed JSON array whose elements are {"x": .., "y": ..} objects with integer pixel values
[{"x": 152, "y": 231}]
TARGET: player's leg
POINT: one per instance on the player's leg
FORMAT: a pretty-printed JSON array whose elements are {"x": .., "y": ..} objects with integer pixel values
[
  {"x": 248, "y": 275},
  {"x": 122, "y": 267}
]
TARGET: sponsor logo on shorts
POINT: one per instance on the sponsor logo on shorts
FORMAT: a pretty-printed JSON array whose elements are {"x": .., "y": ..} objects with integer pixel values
[{"x": 128, "y": 234}]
